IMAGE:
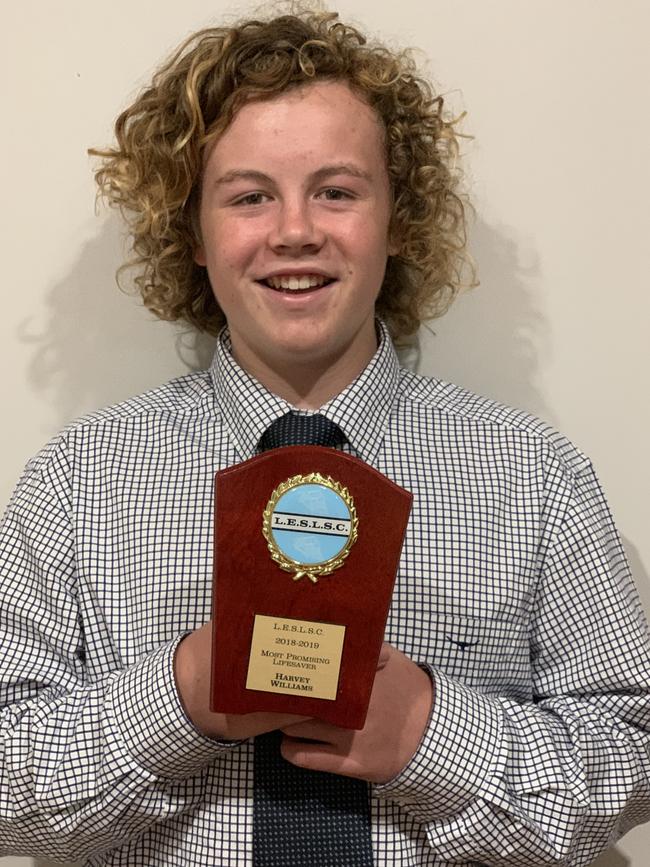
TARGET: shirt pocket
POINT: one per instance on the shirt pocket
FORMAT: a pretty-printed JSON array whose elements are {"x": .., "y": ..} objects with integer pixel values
[{"x": 492, "y": 656}]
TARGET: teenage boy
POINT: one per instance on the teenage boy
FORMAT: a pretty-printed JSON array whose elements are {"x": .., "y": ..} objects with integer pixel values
[{"x": 293, "y": 181}]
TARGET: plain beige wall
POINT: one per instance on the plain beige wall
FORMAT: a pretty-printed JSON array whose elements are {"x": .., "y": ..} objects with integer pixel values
[{"x": 556, "y": 94}]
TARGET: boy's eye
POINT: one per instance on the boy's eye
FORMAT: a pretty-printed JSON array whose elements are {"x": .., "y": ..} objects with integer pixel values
[
  {"x": 251, "y": 199},
  {"x": 333, "y": 194}
]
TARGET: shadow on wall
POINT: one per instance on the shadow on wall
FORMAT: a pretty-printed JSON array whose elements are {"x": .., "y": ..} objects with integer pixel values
[
  {"x": 640, "y": 573},
  {"x": 495, "y": 338},
  {"x": 612, "y": 858},
  {"x": 93, "y": 346}
]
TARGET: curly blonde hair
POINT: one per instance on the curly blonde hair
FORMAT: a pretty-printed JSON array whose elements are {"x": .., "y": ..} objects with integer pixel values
[{"x": 153, "y": 173}]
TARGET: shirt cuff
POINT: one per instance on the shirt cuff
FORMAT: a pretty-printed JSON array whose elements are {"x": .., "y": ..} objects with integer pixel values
[
  {"x": 152, "y": 723},
  {"x": 459, "y": 757}
]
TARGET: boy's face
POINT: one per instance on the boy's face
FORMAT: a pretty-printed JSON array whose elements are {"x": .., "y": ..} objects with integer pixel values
[{"x": 295, "y": 207}]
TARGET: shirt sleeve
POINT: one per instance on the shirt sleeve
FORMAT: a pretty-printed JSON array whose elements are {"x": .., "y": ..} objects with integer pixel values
[
  {"x": 556, "y": 780},
  {"x": 84, "y": 765}
]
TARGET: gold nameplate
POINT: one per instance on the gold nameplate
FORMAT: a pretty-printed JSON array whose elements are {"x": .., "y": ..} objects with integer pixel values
[
  {"x": 310, "y": 523},
  {"x": 295, "y": 657}
]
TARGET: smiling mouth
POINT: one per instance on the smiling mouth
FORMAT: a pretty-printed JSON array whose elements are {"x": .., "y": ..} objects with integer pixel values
[{"x": 296, "y": 284}]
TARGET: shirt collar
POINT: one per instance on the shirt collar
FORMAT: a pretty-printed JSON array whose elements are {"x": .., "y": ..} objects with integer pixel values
[{"x": 361, "y": 410}]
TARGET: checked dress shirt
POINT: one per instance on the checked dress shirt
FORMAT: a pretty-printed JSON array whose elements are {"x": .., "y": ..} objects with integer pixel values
[{"x": 512, "y": 589}]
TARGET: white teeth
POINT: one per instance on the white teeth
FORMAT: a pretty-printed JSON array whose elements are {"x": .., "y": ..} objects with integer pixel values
[{"x": 293, "y": 283}]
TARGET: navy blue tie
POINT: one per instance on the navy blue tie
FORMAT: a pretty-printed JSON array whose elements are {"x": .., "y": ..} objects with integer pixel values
[
  {"x": 306, "y": 818},
  {"x": 293, "y": 429}
]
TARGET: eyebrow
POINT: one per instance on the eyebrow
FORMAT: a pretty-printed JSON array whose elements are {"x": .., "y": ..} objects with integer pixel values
[{"x": 318, "y": 175}]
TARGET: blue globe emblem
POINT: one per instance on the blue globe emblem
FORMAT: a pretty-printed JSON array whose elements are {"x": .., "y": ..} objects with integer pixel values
[{"x": 311, "y": 524}]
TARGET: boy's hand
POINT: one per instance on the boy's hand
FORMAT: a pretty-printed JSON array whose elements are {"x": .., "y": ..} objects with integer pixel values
[
  {"x": 400, "y": 707},
  {"x": 192, "y": 673}
]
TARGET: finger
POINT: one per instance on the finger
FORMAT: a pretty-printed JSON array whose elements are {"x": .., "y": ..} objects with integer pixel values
[
  {"x": 315, "y": 730},
  {"x": 273, "y": 720},
  {"x": 319, "y": 757},
  {"x": 384, "y": 655},
  {"x": 242, "y": 726}
]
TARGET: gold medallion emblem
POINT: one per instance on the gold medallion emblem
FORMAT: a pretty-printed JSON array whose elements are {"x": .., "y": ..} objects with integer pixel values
[{"x": 310, "y": 523}]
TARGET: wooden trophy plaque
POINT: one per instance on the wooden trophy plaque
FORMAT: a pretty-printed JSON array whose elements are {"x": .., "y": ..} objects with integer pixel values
[{"x": 307, "y": 544}]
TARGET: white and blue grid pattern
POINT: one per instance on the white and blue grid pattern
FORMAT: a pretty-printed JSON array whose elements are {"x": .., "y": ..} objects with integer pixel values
[{"x": 512, "y": 588}]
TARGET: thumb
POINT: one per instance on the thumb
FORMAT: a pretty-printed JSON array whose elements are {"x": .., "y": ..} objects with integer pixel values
[{"x": 384, "y": 655}]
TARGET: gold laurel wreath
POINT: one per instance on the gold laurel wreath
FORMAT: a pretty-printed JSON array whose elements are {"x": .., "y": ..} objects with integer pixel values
[{"x": 287, "y": 563}]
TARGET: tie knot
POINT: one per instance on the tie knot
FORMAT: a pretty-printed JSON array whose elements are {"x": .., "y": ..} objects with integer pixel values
[{"x": 294, "y": 429}]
